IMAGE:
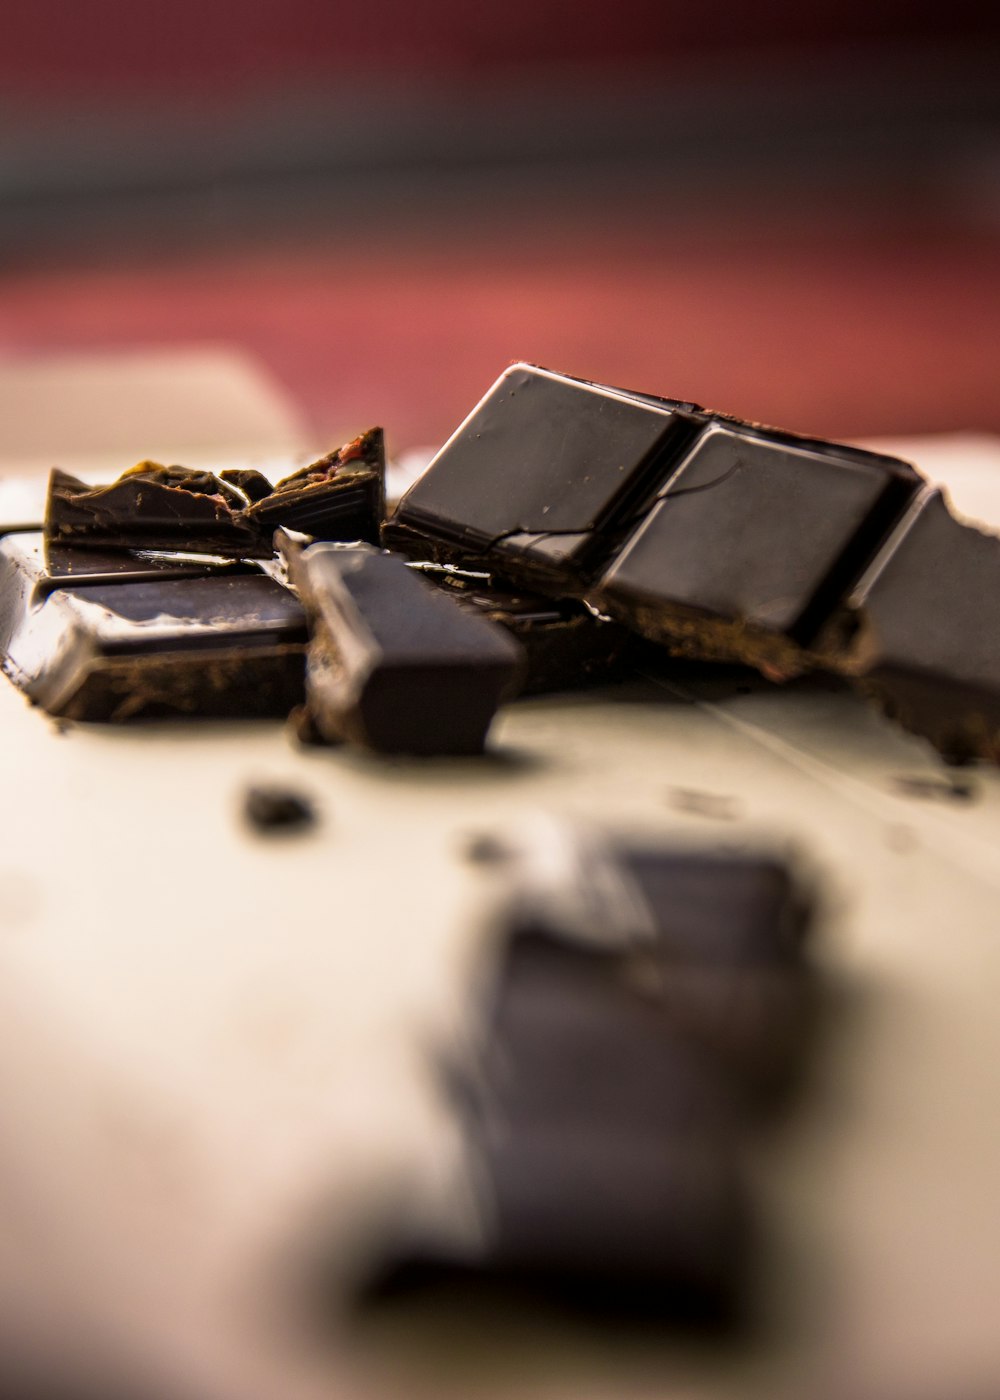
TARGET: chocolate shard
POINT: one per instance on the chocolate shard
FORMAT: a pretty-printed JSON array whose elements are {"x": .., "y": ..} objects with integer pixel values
[
  {"x": 565, "y": 644},
  {"x": 339, "y": 497},
  {"x": 542, "y": 475},
  {"x": 394, "y": 665},
  {"x": 920, "y": 631},
  {"x": 252, "y": 484},
  {"x": 232, "y": 514},
  {"x": 150, "y": 507},
  {"x": 752, "y": 543},
  {"x": 213, "y": 645}
]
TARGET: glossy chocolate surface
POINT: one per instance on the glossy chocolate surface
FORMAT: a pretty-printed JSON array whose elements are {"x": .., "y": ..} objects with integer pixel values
[
  {"x": 394, "y": 665},
  {"x": 758, "y": 530},
  {"x": 539, "y": 470},
  {"x": 206, "y": 646}
]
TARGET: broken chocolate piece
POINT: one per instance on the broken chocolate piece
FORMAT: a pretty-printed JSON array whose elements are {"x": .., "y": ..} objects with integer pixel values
[
  {"x": 920, "y": 631},
  {"x": 540, "y": 476},
  {"x": 751, "y": 544},
  {"x": 340, "y": 497},
  {"x": 31, "y": 568},
  {"x": 152, "y": 507},
  {"x": 211, "y": 645},
  {"x": 565, "y": 644},
  {"x": 394, "y": 665},
  {"x": 149, "y": 507}
]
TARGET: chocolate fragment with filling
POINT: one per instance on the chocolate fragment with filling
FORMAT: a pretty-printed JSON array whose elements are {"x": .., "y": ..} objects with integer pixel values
[
  {"x": 213, "y": 645},
  {"x": 540, "y": 478},
  {"x": 185, "y": 509},
  {"x": 339, "y": 497},
  {"x": 920, "y": 632},
  {"x": 394, "y": 665}
]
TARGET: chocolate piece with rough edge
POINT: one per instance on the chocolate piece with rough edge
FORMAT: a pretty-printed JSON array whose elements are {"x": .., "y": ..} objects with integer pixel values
[
  {"x": 209, "y": 646},
  {"x": 541, "y": 477},
  {"x": 149, "y": 507},
  {"x": 921, "y": 633},
  {"x": 394, "y": 665},
  {"x": 339, "y": 497},
  {"x": 566, "y": 646},
  {"x": 752, "y": 543},
  {"x": 152, "y": 507}
]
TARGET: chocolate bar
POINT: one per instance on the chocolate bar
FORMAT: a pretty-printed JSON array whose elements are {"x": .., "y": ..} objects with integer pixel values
[
  {"x": 146, "y": 640},
  {"x": 722, "y": 539},
  {"x": 919, "y": 632},
  {"x": 154, "y": 507},
  {"x": 394, "y": 665}
]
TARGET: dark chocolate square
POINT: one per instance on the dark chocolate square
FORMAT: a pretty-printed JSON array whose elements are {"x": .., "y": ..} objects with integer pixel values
[
  {"x": 927, "y": 638},
  {"x": 756, "y": 530},
  {"x": 541, "y": 467}
]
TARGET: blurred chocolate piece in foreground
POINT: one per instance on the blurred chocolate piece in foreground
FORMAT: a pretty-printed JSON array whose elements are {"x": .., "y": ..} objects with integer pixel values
[
  {"x": 645, "y": 998},
  {"x": 394, "y": 665},
  {"x": 154, "y": 507},
  {"x": 921, "y": 632}
]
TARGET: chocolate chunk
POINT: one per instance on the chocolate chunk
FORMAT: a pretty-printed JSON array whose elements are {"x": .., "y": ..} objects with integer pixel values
[
  {"x": 31, "y": 568},
  {"x": 270, "y": 809},
  {"x": 251, "y": 484},
  {"x": 565, "y": 644},
  {"x": 151, "y": 507},
  {"x": 920, "y": 631},
  {"x": 752, "y": 543},
  {"x": 394, "y": 665},
  {"x": 340, "y": 497},
  {"x": 714, "y": 941},
  {"x": 541, "y": 475},
  {"x": 207, "y": 646}
]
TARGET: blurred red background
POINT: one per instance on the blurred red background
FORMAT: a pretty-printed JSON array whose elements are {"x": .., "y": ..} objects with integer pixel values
[{"x": 790, "y": 212}]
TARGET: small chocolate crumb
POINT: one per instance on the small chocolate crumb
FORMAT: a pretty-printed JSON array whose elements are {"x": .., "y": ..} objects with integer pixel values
[
  {"x": 715, "y": 805},
  {"x": 946, "y": 789},
  {"x": 270, "y": 809}
]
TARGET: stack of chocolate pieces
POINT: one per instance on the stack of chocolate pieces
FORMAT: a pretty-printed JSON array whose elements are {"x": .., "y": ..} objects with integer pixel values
[
  {"x": 581, "y": 521},
  {"x": 724, "y": 540}
]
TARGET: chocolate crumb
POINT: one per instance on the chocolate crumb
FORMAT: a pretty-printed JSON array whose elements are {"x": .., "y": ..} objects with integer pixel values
[
  {"x": 269, "y": 809},
  {"x": 717, "y": 806},
  {"x": 946, "y": 789}
]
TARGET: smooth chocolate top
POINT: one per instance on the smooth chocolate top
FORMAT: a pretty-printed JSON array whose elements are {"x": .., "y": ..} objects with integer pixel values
[
  {"x": 541, "y": 455},
  {"x": 761, "y": 528}
]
